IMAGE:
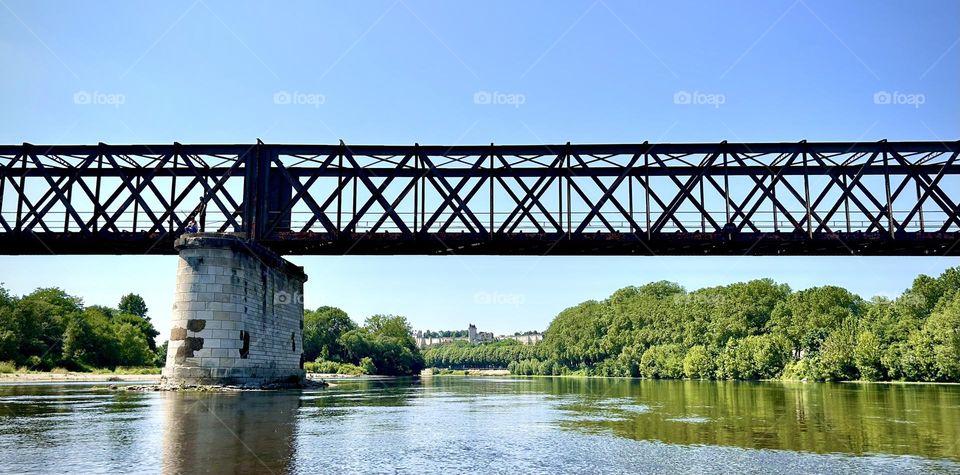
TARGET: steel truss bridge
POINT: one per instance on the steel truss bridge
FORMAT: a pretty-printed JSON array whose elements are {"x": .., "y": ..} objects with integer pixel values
[{"x": 878, "y": 198}]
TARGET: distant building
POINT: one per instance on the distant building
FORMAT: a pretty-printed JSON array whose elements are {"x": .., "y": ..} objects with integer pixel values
[{"x": 528, "y": 339}]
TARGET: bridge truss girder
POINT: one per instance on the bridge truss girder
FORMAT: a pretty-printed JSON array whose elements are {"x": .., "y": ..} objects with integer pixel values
[{"x": 879, "y": 198}]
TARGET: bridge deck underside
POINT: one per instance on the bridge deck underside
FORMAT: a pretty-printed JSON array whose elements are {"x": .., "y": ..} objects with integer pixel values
[{"x": 714, "y": 244}]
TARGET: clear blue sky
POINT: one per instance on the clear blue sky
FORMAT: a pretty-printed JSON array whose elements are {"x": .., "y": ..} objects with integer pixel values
[{"x": 407, "y": 71}]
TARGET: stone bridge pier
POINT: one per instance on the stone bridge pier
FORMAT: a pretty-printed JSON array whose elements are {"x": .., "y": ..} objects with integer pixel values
[{"x": 237, "y": 315}]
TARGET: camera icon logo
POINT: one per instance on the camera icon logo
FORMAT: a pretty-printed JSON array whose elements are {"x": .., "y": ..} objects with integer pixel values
[
  {"x": 283, "y": 297},
  {"x": 882, "y": 97},
  {"x": 81, "y": 98},
  {"x": 482, "y": 97},
  {"x": 281, "y": 98},
  {"x": 682, "y": 97}
]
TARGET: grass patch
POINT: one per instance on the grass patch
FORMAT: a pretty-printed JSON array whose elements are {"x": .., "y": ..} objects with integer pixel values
[
  {"x": 7, "y": 367},
  {"x": 59, "y": 370}
]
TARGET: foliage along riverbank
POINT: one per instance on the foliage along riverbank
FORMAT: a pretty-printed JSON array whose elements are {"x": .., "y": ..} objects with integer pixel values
[
  {"x": 49, "y": 329},
  {"x": 383, "y": 345},
  {"x": 750, "y": 330}
]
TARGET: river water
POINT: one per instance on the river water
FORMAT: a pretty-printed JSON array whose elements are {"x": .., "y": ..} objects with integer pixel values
[{"x": 453, "y": 424}]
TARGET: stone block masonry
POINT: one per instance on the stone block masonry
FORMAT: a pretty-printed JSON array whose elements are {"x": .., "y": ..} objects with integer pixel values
[{"x": 237, "y": 315}]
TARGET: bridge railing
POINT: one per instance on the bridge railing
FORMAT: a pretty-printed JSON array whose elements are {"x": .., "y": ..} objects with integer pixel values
[{"x": 692, "y": 222}]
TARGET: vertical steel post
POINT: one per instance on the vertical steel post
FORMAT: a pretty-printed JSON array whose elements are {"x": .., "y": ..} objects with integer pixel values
[
  {"x": 846, "y": 200},
  {"x": 96, "y": 193},
  {"x": 490, "y": 161},
  {"x": 916, "y": 182},
  {"x": 646, "y": 191},
  {"x": 703, "y": 217},
  {"x": 726, "y": 189},
  {"x": 806, "y": 196},
  {"x": 173, "y": 184},
  {"x": 340, "y": 195},
  {"x": 886, "y": 182},
  {"x": 21, "y": 197},
  {"x": 630, "y": 192},
  {"x": 569, "y": 174},
  {"x": 136, "y": 207}
]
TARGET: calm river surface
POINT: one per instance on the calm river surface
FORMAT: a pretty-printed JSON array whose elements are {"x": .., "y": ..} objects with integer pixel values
[{"x": 490, "y": 425}]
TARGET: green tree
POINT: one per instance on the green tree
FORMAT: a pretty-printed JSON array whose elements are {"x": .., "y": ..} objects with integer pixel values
[
  {"x": 662, "y": 361},
  {"x": 806, "y": 317},
  {"x": 837, "y": 355},
  {"x": 9, "y": 336},
  {"x": 386, "y": 340},
  {"x": 133, "y": 348},
  {"x": 322, "y": 329},
  {"x": 90, "y": 341},
  {"x": 134, "y": 305},
  {"x": 934, "y": 351},
  {"x": 698, "y": 363},
  {"x": 161, "y": 354},
  {"x": 140, "y": 323},
  {"x": 867, "y": 356}
]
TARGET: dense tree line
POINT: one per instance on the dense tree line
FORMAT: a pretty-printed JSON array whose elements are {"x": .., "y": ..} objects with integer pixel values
[
  {"x": 461, "y": 354},
  {"x": 383, "y": 345},
  {"x": 750, "y": 330},
  {"x": 50, "y": 328}
]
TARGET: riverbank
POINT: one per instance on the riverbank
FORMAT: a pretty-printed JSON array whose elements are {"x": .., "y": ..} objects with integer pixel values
[
  {"x": 504, "y": 372},
  {"x": 465, "y": 372},
  {"x": 74, "y": 377},
  {"x": 329, "y": 376},
  {"x": 78, "y": 377}
]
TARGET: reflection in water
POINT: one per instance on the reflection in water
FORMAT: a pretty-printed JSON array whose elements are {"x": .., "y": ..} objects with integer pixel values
[
  {"x": 481, "y": 425},
  {"x": 248, "y": 432},
  {"x": 822, "y": 418},
  {"x": 901, "y": 419}
]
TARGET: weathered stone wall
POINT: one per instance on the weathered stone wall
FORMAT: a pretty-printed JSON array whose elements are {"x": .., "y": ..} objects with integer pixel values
[{"x": 237, "y": 314}]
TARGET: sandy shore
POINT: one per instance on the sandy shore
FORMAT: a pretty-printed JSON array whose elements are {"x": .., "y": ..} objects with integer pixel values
[{"x": 75, "y": 377}]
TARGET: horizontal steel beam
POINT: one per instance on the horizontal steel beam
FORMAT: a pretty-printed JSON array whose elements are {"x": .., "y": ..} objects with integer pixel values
[
  {"x": 453, "y": 150},
  {"x": 527, "y": 172},
  {"x": 699, "y": 244}
]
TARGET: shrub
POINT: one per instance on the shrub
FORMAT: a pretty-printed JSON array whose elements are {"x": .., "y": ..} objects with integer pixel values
[
  {"x": 7, "y": 367},
  {"x": 34, "y": 363},
  {"x": 59, "y": 370},
  {"x": 350, "y": 368},
  {"x": 867, "y": 356},
  {"x": 698, "y": 364},
  {"x": 662, "y": 361},
  {"x": 366, "y": 363},
  {"x": 809, "y": 368}
]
